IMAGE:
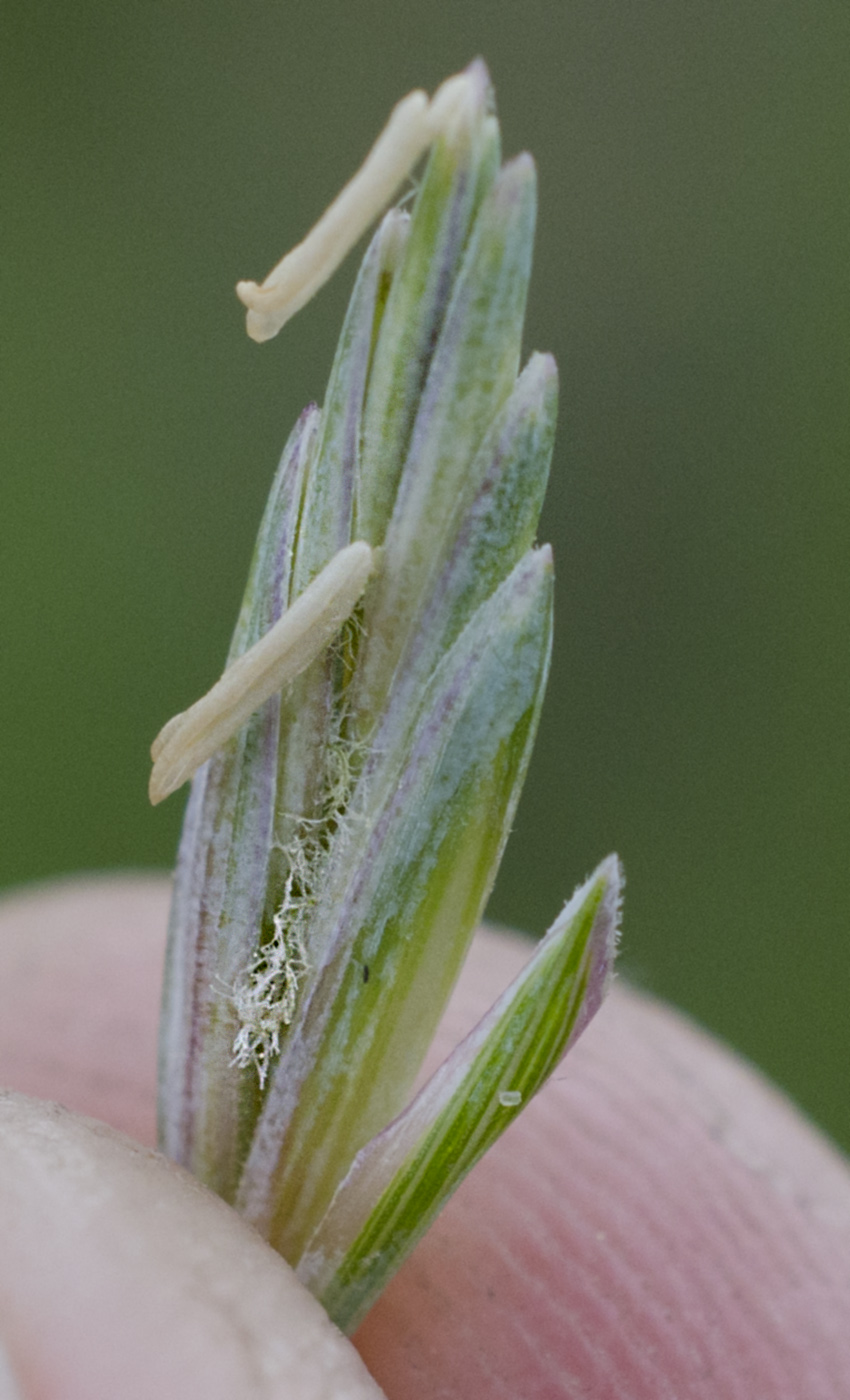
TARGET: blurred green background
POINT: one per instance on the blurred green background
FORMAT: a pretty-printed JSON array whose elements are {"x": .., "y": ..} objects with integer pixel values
[{"x": 691, "y": 278}]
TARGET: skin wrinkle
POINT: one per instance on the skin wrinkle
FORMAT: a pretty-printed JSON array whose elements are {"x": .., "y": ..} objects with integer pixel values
[
  {"x": 660, "y": 1236},
  {"x": 601, "y": 1315}
]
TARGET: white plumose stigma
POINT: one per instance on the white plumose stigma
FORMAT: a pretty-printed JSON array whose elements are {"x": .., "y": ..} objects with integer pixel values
[
  {"x": 267, "y": 996},
  {"x": 287, "y": 649},
  {"x": 413, "y": 125}
]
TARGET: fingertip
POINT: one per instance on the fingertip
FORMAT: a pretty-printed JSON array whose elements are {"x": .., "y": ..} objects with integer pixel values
[
  {"x": 659, "y": 1222},
  {"x": 80, "y": 982},
  {"x": 121, "y": 1276}
]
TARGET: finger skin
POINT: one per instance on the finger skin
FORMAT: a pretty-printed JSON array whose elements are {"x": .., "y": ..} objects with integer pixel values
[
  {"x": 121, "y": 1276},
  {"x": 659, "y": 1224},
  {"x": 80, "y": 978}
]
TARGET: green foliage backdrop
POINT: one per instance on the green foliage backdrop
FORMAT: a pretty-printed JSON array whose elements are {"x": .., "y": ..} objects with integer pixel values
[{"x": 692, "y": 280}]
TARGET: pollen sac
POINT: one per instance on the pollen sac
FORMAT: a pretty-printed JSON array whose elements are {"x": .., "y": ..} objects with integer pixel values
[{"x": 338, "y": 850}]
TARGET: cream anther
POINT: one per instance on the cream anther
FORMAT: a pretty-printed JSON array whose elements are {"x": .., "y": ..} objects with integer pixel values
[
  {"x": 287, "y": 649},
  {"x": 414, "y": 124}
]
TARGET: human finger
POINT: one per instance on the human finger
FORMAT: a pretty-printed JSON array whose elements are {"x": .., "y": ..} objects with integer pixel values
[
  {"x": 80, "y": 978},
  {"x": 121, "y": 1276},
  {"x": 658, "y": 1222}
]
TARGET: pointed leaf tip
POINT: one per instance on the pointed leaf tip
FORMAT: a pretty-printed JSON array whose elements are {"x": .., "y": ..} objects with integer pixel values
[{"x": 400, "y": 1181}]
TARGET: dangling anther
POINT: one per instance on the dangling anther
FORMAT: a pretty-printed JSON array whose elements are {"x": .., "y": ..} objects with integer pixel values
[
  {"x": 414, "y": 124},
  {"x": 287, "y": 649}
]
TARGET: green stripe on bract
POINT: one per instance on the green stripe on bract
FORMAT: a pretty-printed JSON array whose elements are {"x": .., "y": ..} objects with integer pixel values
[
  {"x": 422, "y": 861},
  {"x": 401, "y": 1180}
]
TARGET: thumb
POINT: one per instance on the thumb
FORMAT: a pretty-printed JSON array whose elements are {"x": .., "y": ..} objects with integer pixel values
[{"x": 121, "y": 1276}]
